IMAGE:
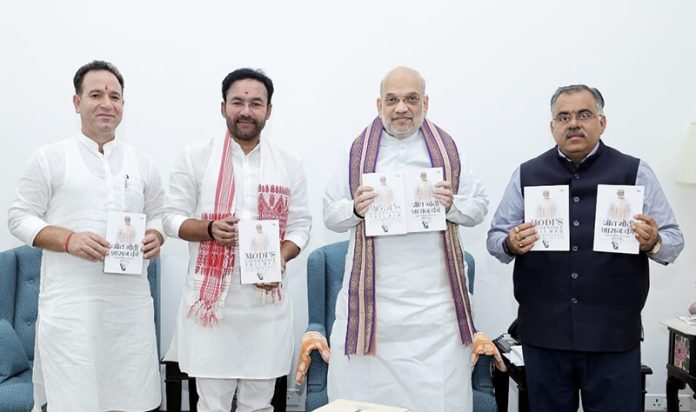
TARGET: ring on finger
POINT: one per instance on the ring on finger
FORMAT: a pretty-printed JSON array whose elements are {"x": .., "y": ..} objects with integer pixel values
[
  {"x": 517, "y": 229},
  {"x": 520, "y": 245},
  {"x": 517, "y": 236}
]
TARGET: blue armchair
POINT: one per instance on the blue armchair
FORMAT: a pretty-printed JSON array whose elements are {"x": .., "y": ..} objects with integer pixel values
[
  {"x": 324, "y": 279},
  {"x": 19, "y": 296}
]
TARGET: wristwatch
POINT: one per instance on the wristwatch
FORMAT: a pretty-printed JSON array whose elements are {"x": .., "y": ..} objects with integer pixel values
[{"x": 657, "y": 246}]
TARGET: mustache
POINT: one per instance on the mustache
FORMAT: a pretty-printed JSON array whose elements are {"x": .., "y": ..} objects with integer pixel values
[
  {"x": 575, "y": 133},
  {"x": 245, "y": 119}
]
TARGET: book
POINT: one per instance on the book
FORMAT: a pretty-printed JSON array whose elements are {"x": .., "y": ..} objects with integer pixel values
[
  {"x": 505, "y": 342},
  {"x": 547, "y": 207},
  {"x": 616, "y": 206},
  {"x": 125, "y": 232},
  {"x": 424, "y": 213},
  {"x": 688, "y": 319},
  {"x": 515, "y": 356},
  {"x": 259, "y": 251},
  {"x": 386, "y": 215}
]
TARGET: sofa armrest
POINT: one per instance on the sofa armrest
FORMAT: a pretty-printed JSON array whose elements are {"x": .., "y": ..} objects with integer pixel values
[
  {"x": 318, "y": 369},
  {"x": 482, "y": 375},
  {"x": 317, "y": 373},
  {"x": 317, "y": 327}
]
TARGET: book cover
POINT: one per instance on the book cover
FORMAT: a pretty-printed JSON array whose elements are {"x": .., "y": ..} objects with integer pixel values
[
  {"x": 386, "y": 215},
  {"x": 424, "y": 213},
  {"x": 547, "y": 207},
  {"x": 125, "y": 232},
  {"x": 259, "y": 251},
  {"x": 616, "y": 206}
]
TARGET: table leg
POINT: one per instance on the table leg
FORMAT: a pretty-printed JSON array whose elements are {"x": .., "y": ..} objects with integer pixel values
[
  {"x": 501, "y": 383},
  {"x": 673, "y": 386},
  {"x": 173, "y": 384},
  {"x": 193, "y": 395}
]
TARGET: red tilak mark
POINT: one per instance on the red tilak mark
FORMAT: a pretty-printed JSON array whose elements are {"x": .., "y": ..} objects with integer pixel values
[{"x": 106, "y": 87}]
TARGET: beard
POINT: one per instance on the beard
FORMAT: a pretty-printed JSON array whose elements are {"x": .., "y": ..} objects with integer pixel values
[
  {"x": 250, "y": 128},
  {"x": 403, "y": 132}
]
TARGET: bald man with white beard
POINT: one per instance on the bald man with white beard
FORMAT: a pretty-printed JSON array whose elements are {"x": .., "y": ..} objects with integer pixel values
[{"x": 403, "y": 329}]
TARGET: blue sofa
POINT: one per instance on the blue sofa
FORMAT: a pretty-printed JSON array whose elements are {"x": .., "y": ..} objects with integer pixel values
[
  {"x": 19, "y": 294},
  {"x": 324, "y": 279}
]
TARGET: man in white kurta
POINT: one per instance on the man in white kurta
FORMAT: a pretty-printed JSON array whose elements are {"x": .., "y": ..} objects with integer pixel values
[
  {"x": 95, "y": 340},
  {"x": 418, "y": 361},
  {"x": 246, "y": 340}
]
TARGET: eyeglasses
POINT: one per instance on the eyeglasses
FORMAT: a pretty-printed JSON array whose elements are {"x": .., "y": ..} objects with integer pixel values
[
  {"x": 411, "y": 100},
  {"x": 582, "y": 116}
]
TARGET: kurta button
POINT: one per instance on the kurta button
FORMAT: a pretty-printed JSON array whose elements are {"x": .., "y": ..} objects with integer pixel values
[
  {"x": 574, "y": 248},
  {"x": 574, "y": 300},
  {"x": 28, "y": 323},
  {"x": 576, "y": 199},
  {"x": 574, "y": 276},
  {"x": 576, "y": 175},
  {"x": 31, "y": 281},
  {"x": 576, "y": 223}
]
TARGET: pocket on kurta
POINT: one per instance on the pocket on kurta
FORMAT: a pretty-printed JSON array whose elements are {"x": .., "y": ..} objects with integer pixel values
[{"x": 134, "y": 196}]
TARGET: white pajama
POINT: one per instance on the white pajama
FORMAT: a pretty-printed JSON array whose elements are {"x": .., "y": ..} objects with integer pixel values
[{"x": 253, "y": 395}]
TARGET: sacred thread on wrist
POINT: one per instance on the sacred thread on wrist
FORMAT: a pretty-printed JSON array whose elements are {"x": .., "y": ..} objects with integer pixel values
[{"x": 67, "y": 241}]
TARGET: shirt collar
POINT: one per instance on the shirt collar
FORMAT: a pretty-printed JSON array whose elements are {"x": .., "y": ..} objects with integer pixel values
[
  {"x": 237, "y": 149},
  {"x": 560, "y": 153},
  {"x": 389, "y": 140},
  {"x": 93, "y": 147}
]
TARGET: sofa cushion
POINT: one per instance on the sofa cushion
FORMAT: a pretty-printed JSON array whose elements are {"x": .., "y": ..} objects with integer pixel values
[
  {"x": 17, "y": 393},
  {"x": 14, "y": 360},
  {"x": 8, "y": 283},
  {"x": 27, "y": 296}
]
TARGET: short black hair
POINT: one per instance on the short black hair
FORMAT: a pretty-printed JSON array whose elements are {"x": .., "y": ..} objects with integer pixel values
[
  {"x": 92, "y": 66},
  {"x": 574, "y": 88},
  {"x": 247, "y": 73}
]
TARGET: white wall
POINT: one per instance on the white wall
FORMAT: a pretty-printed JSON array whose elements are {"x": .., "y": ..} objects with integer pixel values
[{"x": 490, "y": 69}]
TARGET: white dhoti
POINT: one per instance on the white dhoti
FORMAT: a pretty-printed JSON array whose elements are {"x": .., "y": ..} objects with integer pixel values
[{"x": 420, "y": 362}]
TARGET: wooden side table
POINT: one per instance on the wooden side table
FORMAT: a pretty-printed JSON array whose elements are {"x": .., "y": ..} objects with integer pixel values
[{"x": 681, "y": 364}]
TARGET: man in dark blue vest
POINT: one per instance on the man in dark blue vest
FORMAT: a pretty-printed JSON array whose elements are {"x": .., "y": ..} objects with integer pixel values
[{"x": 579, "y": 310}]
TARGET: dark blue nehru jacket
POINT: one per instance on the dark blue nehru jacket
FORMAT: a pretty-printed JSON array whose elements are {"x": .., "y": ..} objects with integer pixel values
[{"x": 581, "y": 300}]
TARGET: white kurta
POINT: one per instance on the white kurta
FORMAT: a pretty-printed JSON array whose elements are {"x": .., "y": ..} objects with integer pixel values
[
  {"x": 252, "y": 340},
  {"x": 95, "y": 341},
  {"x": 420, "y": 362}
]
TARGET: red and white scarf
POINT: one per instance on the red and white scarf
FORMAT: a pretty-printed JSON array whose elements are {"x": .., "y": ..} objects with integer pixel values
[{"x": 215, "y": 262}]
